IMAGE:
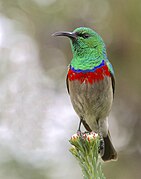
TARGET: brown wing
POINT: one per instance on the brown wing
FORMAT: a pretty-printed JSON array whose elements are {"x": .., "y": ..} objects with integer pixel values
[
  {"x": 113, "y": 82},
  {"x": 67, "y": 84}
]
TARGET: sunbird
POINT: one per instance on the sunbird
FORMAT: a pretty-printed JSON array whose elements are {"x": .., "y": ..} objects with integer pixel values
[{"x": 91, "y": 85}]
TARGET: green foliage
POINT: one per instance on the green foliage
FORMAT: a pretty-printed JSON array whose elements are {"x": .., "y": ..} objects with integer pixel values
[{"x": 85, "y": 150}]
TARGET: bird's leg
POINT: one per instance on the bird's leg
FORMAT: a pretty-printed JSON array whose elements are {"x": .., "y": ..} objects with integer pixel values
[{"x": 79, "y": 127}]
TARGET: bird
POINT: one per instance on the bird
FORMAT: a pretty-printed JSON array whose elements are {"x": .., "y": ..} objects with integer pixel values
[{"x": 91, "y": 84}]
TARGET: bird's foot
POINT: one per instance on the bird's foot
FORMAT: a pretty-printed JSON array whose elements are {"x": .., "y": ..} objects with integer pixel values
[
  {"x": 79, "y": 133},
  {"x": 87, "y": 132},
  {"x": 101, "y": 146},
  {"x": 79, "y": 128}
]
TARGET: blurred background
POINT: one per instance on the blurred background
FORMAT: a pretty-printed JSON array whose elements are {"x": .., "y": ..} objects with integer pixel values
[{"x": 36, "y": 116}]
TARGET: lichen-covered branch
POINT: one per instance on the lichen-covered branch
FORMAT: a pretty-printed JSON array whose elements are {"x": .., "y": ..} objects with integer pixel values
[{"x": 85, "y": 149}]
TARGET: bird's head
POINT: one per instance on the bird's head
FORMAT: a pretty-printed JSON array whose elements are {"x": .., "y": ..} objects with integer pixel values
[{"x": 85, "y": 41}]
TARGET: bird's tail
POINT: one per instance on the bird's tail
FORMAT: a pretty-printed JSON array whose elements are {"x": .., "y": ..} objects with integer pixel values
[{"x": 110, "y": 152}]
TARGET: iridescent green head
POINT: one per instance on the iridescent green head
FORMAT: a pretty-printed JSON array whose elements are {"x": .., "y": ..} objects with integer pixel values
[
  {"x": 87, "y": 46},
  {"x": 88, "y": 42}
]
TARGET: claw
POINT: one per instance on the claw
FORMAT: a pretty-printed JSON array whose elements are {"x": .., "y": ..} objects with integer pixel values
[{"x": 79, "y": 133}]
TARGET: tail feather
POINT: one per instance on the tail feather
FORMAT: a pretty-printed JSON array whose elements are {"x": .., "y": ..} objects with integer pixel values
[{"x": 110, "y": 152}]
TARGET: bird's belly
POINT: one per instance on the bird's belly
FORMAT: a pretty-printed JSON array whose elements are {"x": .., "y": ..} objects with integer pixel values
[{"x": 92, "y": 102}]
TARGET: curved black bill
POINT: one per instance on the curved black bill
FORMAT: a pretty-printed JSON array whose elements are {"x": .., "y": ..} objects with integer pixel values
[{"x": 71, "y": 35}]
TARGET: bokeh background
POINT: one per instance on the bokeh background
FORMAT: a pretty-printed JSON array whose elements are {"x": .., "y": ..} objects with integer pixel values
[{"x": 36, "y": 116}]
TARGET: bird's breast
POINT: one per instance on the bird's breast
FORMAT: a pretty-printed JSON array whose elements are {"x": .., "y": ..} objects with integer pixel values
[
  {"x": 91, "y": 93},
  {"x": 89, "y": 76}
]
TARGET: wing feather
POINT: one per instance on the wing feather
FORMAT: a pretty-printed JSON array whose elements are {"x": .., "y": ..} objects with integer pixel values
[
  {"x": 67, "y": 83},
  {"x": 113, "y": 82}
]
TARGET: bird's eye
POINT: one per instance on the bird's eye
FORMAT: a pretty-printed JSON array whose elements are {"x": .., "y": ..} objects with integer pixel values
[{"x": 85, "y": 36}]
